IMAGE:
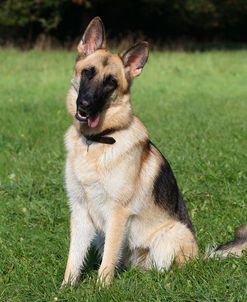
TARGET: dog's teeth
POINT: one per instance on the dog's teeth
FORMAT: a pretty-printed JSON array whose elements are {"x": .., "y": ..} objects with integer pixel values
[{"x": 81, "y": 116}]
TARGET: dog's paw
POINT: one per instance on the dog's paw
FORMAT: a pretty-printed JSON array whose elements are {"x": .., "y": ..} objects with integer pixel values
[
  {"x": 64, "y": 284},
  {"x": 68, "y": 282},
  {"x": 105, "y": 276}
]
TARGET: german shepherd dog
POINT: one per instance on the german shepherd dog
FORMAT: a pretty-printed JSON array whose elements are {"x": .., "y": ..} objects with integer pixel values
[{"x": 122, "y": 192}]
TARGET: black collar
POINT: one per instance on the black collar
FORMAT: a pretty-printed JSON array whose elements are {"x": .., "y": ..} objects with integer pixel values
[{"x": 101, "y": 138}]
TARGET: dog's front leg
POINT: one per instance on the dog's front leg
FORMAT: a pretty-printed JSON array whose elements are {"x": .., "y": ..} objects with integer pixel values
[
  {"x": 82, "y": 233},
  {"x": 115, "y": 231},
  {"x": 82, "y": 230}
]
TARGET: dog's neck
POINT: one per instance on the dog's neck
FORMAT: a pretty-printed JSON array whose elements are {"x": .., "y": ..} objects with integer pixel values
[{"x": 102, "y": 137}]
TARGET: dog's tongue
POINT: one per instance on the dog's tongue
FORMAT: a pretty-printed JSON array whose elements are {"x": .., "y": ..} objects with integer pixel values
[{"x": 93, "y": 121}]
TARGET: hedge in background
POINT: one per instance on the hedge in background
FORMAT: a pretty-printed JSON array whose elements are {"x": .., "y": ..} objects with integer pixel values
[{"x": 157, "y": 19}]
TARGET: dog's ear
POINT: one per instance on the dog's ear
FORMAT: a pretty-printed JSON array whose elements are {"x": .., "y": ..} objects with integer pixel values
[
  {"x": 93, "y": 38},
  {"x": 135, "y": 58}
]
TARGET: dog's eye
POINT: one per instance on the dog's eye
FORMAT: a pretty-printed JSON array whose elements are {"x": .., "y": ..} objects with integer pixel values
[
  {"x": 88, "y": 72},
  {"x": 110, "y": 81}
]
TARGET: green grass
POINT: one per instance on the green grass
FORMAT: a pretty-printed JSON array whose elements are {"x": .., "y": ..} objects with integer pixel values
[{"x": 195, "y": 106}]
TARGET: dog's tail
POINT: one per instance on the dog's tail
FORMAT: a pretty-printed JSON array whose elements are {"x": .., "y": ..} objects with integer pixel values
[{"x": 234, "y": 247}]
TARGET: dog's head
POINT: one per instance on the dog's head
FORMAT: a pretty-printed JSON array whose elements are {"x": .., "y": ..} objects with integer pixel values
[{"x": 99, "y": 96}]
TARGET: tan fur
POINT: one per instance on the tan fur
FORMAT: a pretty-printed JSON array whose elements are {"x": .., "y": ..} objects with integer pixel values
[
  {"x": 113, "y": 242},
  {"x": 237, "y": 250},
  {"x": 236, "y": 247}
]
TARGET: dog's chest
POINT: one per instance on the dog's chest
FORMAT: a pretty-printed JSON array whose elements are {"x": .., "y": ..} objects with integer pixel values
[{"x": 102, "y": 183}]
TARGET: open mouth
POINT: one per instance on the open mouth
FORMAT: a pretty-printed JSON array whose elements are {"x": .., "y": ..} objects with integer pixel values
[{"x": 91, "y": 120}]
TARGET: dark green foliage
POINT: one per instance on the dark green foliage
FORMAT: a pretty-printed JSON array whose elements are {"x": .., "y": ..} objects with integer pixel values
[
  {"x": 47, "y": 13},
  {"x": 157, "y": 19}
]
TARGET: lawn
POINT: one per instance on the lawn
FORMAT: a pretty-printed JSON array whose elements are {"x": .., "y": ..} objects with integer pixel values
[{"x": 195, "y": 107}]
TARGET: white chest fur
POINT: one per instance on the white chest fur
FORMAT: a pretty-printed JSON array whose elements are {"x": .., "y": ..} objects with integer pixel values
[{"x": 99, "y": 173}]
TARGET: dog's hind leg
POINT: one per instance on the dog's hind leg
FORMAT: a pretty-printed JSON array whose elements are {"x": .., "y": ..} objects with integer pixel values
[{"x": 173, "y": 242}]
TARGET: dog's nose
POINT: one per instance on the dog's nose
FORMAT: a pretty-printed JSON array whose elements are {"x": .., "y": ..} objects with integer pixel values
[{"x": 84, "y": 104}]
